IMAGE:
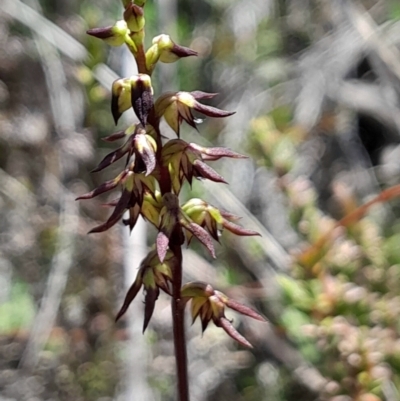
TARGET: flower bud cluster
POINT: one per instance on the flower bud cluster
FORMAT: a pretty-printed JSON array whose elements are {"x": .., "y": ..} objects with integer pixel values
[{"x": 156, "y": 170}]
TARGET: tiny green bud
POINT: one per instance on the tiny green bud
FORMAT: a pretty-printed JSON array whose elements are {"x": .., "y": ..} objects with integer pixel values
[
  {"x": 113, "y": 35},
  {"x": 133, "y": 15}
]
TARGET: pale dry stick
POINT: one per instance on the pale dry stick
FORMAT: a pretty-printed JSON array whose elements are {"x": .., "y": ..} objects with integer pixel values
[
  {"x": 368, "y": 30},
  {"x": 42, "y": 26},
  {"x": 222, "y": 196},
  {"x": 167, "y": 11},
  {"x": 135, "y": 386},
  {"x": 360, "y": 170},
  {"x": 56, "y": 82},
  {"x": 382, "y": 100},
  {"x": 62, "y": 260},
  {"x": 322, "y": 67},
  {"x": 135, "y": 249},
  {"x": 60, "y": 266},
  {"x": 359, "y": 97},
  {"x": 366, "y": 98},
  {"x": 60, "y": 39}
]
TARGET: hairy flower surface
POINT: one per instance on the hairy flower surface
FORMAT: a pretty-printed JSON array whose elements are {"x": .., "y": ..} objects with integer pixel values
[
  {"x": 153, "y": 275},
  {"x": 209, "y": 304},
  {"x": 177, "y": 106}
]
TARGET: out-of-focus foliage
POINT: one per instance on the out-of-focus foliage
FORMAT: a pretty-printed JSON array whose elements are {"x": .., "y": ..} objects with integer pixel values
[{"x": 342, "y": 298}]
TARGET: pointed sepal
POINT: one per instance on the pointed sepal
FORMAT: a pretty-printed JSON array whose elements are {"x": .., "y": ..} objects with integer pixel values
[
  {"x": 113, "y": 35},
  {"x": 120, "y": 97}
]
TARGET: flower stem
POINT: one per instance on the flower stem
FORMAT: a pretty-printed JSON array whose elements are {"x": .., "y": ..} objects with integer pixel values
[
  {"x": 178, "y": 322},
  {"x": 175, "y": 245},
  {"x": 141, "y": 60}
]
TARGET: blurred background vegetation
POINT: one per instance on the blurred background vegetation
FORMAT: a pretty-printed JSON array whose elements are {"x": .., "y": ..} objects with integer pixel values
[{"x": 316, "y": 87}]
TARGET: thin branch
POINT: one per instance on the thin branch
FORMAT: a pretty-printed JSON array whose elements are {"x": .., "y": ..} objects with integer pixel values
[
  {"x": 273, "y": 250},
  {"x": 43, "y": 27},
  {"x": 60, "y": 39},
  {"x": 60, "y": 266},
  {"x": 135, "y": 380},
  {"x": 62, "y": 261}
]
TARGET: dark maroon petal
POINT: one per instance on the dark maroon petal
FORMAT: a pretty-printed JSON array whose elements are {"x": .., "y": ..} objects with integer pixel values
[
  {"x": 162, "y": 245},
  {"x": 212, "y": 111},
  {"x": 217, "y": 153},
  {"x": 244, "y": 310},
  {"x": 229, "y": 215},
  {"x": 113, "y": 157},
  {"x": 238, "y": 230},
  {"x": 107, "y": 186},
  {"x": 116, "y": 214},
  {"x": 114, "y": 137},
  {"x": 231, "y": 331},
  {"x": 149, "y": 304},
  {"x": 101, "y": 33},
  {"x": 142, "y": 101},
  {"x": 130, "y": 296},
  {"x": 205, "y": 171},
  {"x": 202, "y": 235},
  {"x": 182, "y": 51},
  {"x": 203, "y": 95}
]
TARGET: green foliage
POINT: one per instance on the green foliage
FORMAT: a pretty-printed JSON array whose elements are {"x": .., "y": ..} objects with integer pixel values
[{"x": 18, "y": 312}]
